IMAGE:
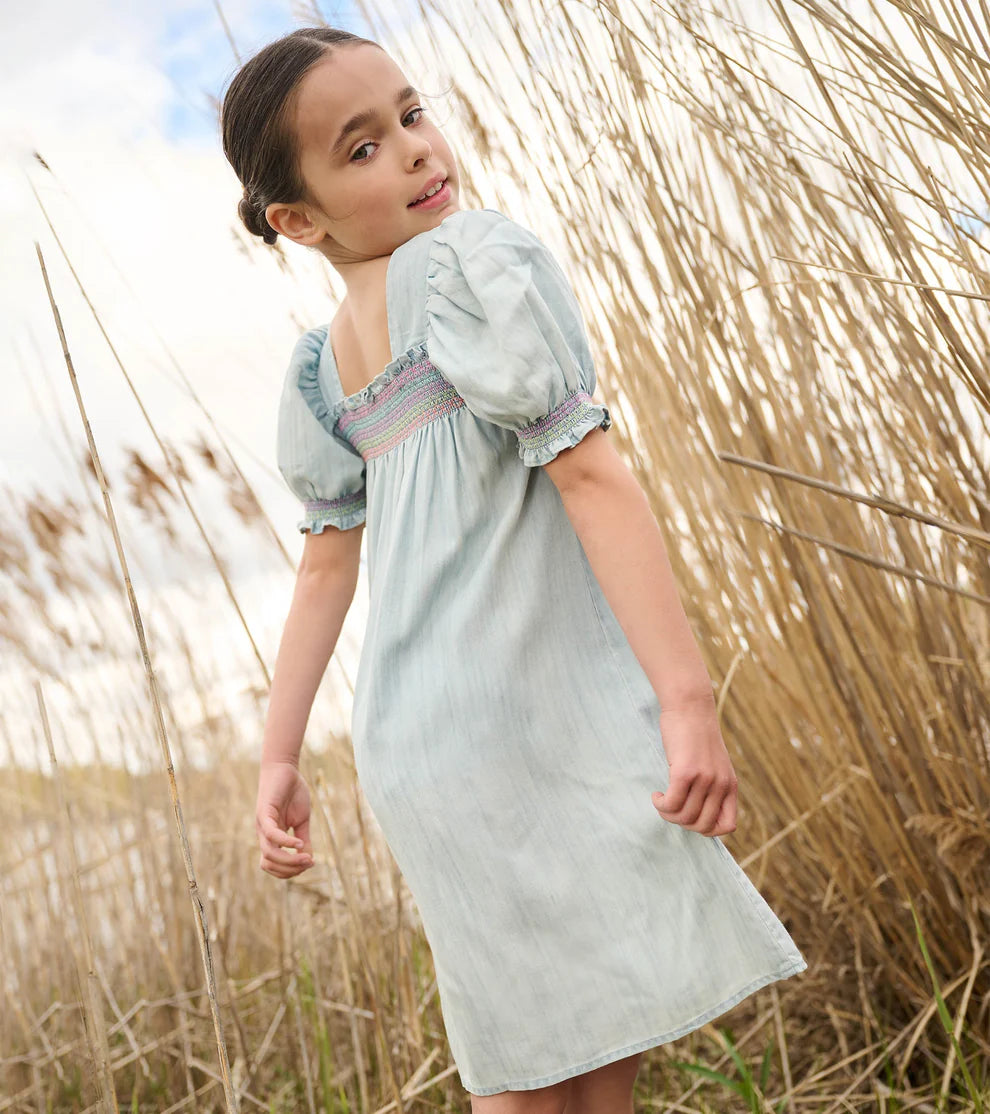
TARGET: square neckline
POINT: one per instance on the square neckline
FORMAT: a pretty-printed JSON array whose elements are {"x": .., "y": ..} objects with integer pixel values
[{"x": 368, "y": 391}]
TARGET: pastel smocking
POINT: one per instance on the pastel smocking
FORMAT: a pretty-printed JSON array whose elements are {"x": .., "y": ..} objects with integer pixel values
[
  {"x": 505, "y": 735},
  {"x": 413, "y": 396}
]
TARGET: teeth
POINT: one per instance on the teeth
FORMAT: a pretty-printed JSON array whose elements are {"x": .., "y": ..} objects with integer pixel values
[{"x": 430, "y": 193}]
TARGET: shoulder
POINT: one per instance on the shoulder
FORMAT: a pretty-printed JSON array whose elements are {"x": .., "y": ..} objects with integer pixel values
[
  {"x": 301, "y": 385},
  {"x": 308, "y": 348},
  {"x": 482, "y": 257},
  {"x": 469, "y": 231},
  {"x": 304, "y": 361}
]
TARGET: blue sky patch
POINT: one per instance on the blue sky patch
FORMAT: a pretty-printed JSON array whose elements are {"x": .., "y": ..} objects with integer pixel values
[{"x": 197, "y": 59}]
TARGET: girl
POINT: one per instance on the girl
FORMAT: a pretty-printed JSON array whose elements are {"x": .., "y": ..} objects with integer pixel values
[{"x": 528, "y": 677}]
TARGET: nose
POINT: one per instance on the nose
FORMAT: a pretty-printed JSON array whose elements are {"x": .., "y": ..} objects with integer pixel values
[{"x": 420, "y": 148}]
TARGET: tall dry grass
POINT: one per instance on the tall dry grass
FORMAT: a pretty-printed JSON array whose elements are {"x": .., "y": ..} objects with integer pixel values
[{"x": 776, "y": 219}]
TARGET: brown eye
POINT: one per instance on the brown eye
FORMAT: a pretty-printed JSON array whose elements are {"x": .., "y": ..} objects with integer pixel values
[{"x": 418, "y": 109}]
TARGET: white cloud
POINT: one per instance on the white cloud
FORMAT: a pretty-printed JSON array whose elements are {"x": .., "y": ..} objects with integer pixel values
[
  {"x": 149, "y": 223},
  {"x": 150, "y": 226}
]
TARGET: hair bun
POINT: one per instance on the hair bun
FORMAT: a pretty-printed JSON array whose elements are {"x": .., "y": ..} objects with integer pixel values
[
  {"x": 253, "y": 217},
  {"x": 256, "y": 130}
]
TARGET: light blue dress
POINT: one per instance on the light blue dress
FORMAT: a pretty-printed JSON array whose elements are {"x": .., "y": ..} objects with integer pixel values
[{"x": 505, "y": 735}]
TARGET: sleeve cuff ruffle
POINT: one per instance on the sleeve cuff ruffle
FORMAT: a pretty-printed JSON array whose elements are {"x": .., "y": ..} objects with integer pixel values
[
  {"x": 344, "y": 512},
  {"x": 562, "y": 428}
]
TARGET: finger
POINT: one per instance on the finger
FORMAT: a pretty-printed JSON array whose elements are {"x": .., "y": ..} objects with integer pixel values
[
  {"x": 269, "y": 824},
  {"x": 727, "y": 813},
  {"x": 279, "y": 870},
  {"x": 707, "y": 821},
  {"x": 691, "y": 801},
  {"x": 271, "y": 868},
  {"x": 277, "y": 836},
  {"x": 695, "y": 804},
  {"x": 274, "y": 871},
  {"x": 282, "y": 854},
  {"x": 273, "y": 845},
  {"x": 286, "y": 858},
  {"x": 672, "y": 800},
  {"x": 302, "y": 832}
]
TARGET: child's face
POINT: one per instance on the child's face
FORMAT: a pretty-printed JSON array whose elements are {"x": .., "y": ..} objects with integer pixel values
[{"x": 364, "y": 187}]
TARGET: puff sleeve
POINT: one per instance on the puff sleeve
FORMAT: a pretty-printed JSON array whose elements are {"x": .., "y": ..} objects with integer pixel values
[
  {"x": 321, "y": 469},
  {"x": 505, "y": 328}
]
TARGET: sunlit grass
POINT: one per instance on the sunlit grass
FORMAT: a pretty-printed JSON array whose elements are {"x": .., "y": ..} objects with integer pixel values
[{"x": 778, "y": 232}]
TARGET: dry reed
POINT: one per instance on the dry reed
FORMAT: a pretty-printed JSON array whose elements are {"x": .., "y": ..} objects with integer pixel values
[{"x": 779, "y": 236}]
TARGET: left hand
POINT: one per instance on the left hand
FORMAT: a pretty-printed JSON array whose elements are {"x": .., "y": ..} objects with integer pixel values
[
  {"x": 283, "y": 803},
  {"x": 702, "y": 793}
]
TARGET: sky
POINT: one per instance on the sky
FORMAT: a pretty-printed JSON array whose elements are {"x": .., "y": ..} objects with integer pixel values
[{"x": 116, "y": 97}]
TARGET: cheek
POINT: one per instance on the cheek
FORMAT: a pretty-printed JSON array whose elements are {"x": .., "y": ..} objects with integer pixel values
[{"x": 442, "y": 147}]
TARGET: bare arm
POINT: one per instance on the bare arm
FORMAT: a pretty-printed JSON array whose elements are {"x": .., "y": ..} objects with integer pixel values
[
  {"x": 325, "y": 584},
  {"x": 625, "y": 548},
  {"x": 622, "y": 539}
]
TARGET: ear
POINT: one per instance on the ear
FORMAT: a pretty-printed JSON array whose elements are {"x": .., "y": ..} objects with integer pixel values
[{"x": 293, "y": 223}]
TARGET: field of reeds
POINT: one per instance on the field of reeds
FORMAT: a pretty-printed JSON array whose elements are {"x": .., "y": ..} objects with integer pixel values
[{"x": 776, "y": 218}]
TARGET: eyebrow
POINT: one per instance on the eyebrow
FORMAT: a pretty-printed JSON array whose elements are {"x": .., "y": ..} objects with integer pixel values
[{"x": 359, "y": 119}]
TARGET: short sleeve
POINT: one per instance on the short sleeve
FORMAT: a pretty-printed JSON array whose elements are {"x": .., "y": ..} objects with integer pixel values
[
  {"x": 505, "y": 329},
  {"x": 321, "y": 469}
]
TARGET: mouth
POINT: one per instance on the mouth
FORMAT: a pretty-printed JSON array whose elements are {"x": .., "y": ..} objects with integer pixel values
[{"x": 441, "y": 194}]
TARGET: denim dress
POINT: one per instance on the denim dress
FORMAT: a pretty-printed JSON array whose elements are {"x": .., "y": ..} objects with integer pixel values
[{"x": 505, "y": 736}]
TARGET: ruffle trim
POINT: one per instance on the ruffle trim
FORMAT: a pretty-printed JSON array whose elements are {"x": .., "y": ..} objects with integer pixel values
[
  {"x": 307, "y": 378},
  {"x": 568, "y": 423},
  {"x": 415, "y": 354},
  {"x": 344, "y": 512},
  {"x": 308, "y": 381},
  {"x": 310, "y": 347},
  {"x": 540, "y": 442}
]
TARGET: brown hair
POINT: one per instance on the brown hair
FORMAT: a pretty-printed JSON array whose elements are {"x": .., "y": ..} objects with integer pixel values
[{"x": 255, "y": 121}]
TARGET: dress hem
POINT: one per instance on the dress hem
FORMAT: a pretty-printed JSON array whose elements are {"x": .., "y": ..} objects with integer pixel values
[{"x": 792, "y": 968}]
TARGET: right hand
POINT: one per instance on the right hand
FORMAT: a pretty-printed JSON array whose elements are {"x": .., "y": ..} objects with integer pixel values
[
  {"x": 283, "y": 803},
  {"x": 702, "y": 793}
]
